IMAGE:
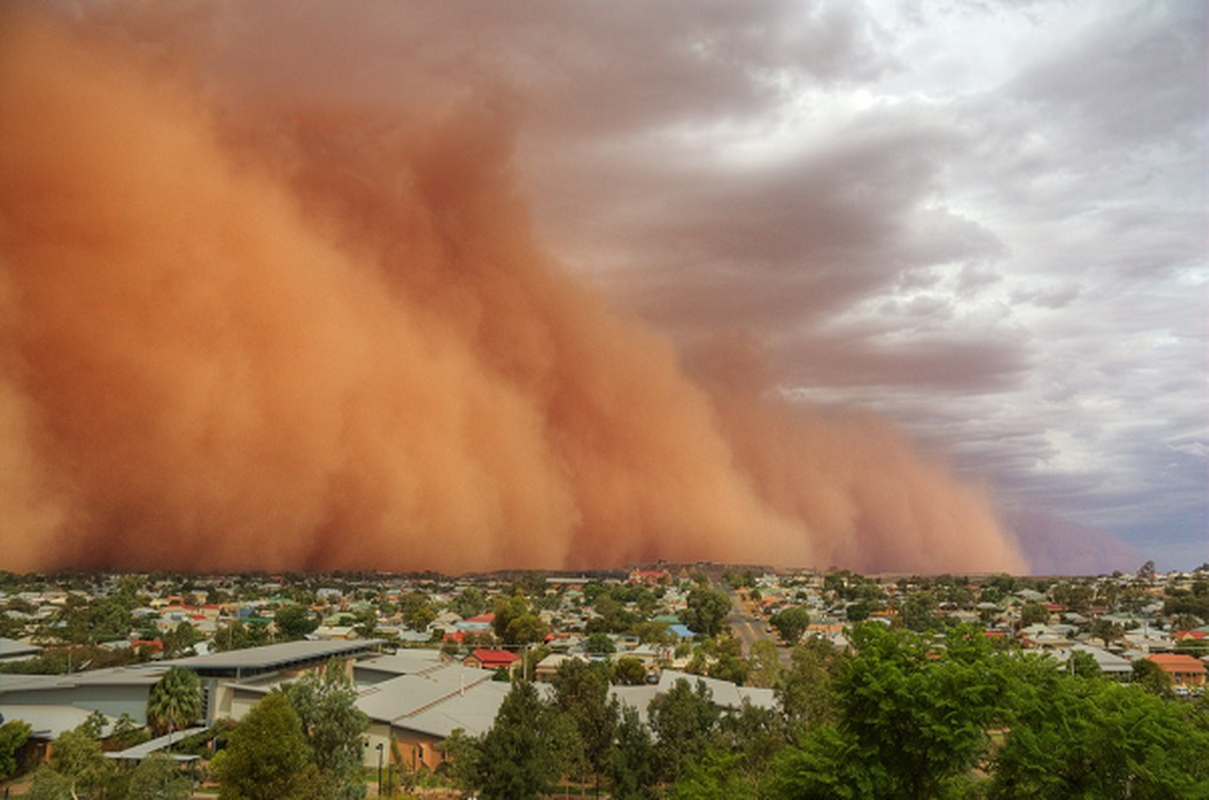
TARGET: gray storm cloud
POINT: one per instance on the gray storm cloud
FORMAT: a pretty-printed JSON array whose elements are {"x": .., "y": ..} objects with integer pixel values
[{"x": 305, "y": 335}]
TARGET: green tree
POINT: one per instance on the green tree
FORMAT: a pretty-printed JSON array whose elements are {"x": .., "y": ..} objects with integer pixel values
[
  {"x": 1032, "y": 613},
  {"x": 755, "y": 734},
  {"x": 706, "y": 612},
  {"x": 333, "y": 725},
  {"x": 175, "y": 700},
  {"x": 912, "y": 721},
  {"x": 728, "y": 664},
  {"x": 581, "y": 691},
  {"x": 632, "y": 768},
  {"x": 1079, "y": 738},
  {"x": 791, "y": 623},
  {"x": 717, "y": 774},
  {"x": 683, "y": 721},
  {"x": 1106, "y": 631},
  {"x": 78, "y": 757},
  {"x": 266, "y": 756},
  {"x": 50, "y": 785},
  {"x": 805, "y": 692},
  {"x": 294, "y": 622},
  {"x": 470, "y": 602},
  {"x": 417, "y": 610},
  {"x": 158, "y": 777},
  {"x": 656, "y": 633},
  {"x": 515, "y": 624},
  {"x": 180, "y": 640},
  {"x": 517, "y": 759},
  {"x": 599, "y": 644},
  {"x": 1151, "y": 677},
  {"x": 918, "y": 612},
  {"x": 93, "y": 725},
  {"x": 1084, "y": 665},
  {"x": 13, "y": 736},
  {"x": 629, "y": 671},
  {"x": 764, "y": 665}
]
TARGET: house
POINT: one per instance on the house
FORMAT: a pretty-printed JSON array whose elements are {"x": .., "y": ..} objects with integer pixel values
[
  {"x": 411, "y": 712},
  {"x": 1184, "y": 670},
  {"x": 548, "y": 666},
  {"x": 491, "y": 659},
  {"x": 1110, "y": 664},
  {"x": 649, "y": 577},
  {"x": 14, "y": 650}
]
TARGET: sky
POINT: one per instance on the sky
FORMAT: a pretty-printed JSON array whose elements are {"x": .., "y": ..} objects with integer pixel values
[
  {"x": 982, "y": 222},
  {"x": 986, "y": 221}
]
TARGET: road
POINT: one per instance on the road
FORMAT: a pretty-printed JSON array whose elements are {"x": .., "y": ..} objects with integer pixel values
[{"x": 750, "y": 629}]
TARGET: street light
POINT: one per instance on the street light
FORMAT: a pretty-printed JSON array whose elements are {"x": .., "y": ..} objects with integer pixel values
[{"x": 379, "y": 768}]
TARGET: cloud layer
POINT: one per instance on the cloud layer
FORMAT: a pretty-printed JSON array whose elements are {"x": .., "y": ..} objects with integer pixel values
[{"x": 264, "y": 318}]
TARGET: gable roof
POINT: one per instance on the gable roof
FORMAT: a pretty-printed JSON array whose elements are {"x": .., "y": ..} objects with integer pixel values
[
  {"x": 501, "y": 657},
  {"x": 1176, "y": 662}
]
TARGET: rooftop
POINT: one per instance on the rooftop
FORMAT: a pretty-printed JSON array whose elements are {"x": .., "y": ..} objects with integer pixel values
[{"x": 235, "y": 663}]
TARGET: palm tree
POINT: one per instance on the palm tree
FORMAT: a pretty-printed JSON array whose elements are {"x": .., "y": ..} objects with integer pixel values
[{"x": 175, "y": 700}]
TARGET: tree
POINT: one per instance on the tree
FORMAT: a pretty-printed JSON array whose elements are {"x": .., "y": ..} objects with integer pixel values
[
  {"x": 175, "y": 700},
  {"x": 919, "y": 612},
  {"x": 657, "y": 633},
  {"x": 1106, "y": 631},
  {"x": 266, "y": 756},
  {"x": 1084, "y": 665},
  {"x": 77, "y": 757},
  {"x": 764, "y": 665},
  {"x": 417, "y": 610},
  {"x": 93, "y": 725},
  {"x": 791, "y": 623},
  {"x": 1032, "y": 613},
  {"x": 683, "y": 720},
  {"x": 294, "y": 622},
  {"x": 805, "y": 692},
  {"x": 470, "y": 602},
  {"x": 728, "y": 664},
  {"x": 629, "y": 671},
  {"x": 50, "y": 785},
  {"x": 13, "y": 736},
  {"x": 516, "y": 759},
  {"x": 514, "y": 623},
  {"x": 755, "y": 734},
  {"x": 706, "y": 612},
  {"x": 912, "y": 721},
  {"x": 632, "y": 768},
  {"x": 158, "y": 777},
  {"x": 1080, "y": 738},
  {"x": 333, "y": 725},
  {"x": 717, "y": 774},
  {"x": 599, "y": 644},
  {"x": 180, "y": 639},
  {"x": 581, "y": 691},
  {"x": 1151, "y": 677}
]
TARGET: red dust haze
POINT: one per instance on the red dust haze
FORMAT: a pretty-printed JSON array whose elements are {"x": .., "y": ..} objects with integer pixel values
[{"x": 239, "y": 338}]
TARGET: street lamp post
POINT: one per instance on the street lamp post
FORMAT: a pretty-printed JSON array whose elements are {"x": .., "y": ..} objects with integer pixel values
[{"x": 379, "y": 768}]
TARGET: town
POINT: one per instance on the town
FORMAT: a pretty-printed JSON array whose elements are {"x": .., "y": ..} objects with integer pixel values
[{"x": 427, "y": 669}]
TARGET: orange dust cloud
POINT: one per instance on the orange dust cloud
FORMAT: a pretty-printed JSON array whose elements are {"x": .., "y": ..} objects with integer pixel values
[{"x": 240, "y": 338}]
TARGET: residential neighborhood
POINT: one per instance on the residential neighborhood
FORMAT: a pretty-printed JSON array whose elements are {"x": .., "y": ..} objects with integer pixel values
[{"x": 430, "y": 660}]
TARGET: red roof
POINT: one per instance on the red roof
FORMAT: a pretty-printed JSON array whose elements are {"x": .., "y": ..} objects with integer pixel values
[
  {"x": 494, "y": 658},
  {"x": 488, "y": 617}
]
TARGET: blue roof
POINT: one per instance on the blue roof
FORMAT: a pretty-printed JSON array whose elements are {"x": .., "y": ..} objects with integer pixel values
[{"x": 682, "y": 631}]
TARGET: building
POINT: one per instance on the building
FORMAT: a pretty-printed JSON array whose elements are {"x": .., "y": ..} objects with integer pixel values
[
  {"x": 491, "y": 659},
  {"x": 1184, "y": 670}
]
